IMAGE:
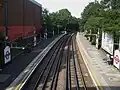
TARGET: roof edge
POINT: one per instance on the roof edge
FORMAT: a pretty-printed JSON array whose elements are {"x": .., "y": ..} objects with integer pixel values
[{"x": 35, "y": 2}]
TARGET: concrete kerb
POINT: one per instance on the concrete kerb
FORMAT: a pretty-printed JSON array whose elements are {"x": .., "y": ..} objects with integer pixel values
[
  {"x": 21, "y": 80},
  {"x": 86, "y": 57}
]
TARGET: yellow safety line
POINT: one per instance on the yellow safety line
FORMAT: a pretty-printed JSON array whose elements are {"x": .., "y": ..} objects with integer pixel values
[
  {"x": 18, "y": 86},
  {"x": 97, "y": 82}
]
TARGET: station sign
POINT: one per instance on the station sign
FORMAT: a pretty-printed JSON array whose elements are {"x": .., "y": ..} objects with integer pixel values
[
  {"x": 116, "y": 59},
  {"x": 7, "y": 55}
]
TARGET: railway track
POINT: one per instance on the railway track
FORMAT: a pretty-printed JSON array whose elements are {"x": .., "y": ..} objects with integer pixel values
[
  {"x": 61, "y": 69},
  {"x": 48, "y": 69},
  {"x": 72, "y": 82},
  {"x": 80, "y": 82},
  {"x": 84, "y": 78},
  {"x": 77, "y": 76}
]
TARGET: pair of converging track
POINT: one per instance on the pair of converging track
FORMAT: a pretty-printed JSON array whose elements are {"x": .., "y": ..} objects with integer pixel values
[
  {"x": 74, "y": 74},
  {"x": 71, "y": 71},
  {"x": 46, "y": 75}
]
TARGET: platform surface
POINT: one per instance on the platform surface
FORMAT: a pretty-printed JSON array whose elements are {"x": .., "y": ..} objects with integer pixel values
[
  {"x": 13, "y": 69},
  {"x": 106, "y": 76}
]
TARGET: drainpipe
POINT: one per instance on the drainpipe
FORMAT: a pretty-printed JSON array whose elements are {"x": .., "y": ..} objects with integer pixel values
[{"x": 6, "y": 21}]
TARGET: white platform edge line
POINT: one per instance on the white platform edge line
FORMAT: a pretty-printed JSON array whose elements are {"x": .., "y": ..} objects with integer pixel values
[{"x": 30, "y": 66}]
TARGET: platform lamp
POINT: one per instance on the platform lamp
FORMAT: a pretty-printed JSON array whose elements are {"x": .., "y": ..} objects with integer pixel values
[
  {"x": 34, "y": 34},
  {"x": 6, "y": 20},
  {"x": 58, "y": 26}
]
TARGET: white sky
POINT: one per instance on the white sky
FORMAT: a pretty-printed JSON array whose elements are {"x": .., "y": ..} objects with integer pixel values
[{"x": 74, "y": 6}]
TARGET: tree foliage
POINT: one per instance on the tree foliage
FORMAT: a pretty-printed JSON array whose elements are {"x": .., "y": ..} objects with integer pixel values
[
  {"x": 104, "y": 15},
  {"x": 92, "y": 17},
  {"x": 62, "y": 20},
  {"x": 46, "y": 18}
]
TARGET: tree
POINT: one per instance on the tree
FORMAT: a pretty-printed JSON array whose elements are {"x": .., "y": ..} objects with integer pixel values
[
  {"x": 63, "y": 20},
  {"x": 104, "y": 15},
  {"x": 46, "y": 18},
  {"x": 93, "y": 23},
  {"x": 111, "y": 15},
  {"x": 73, "y": 24},
  {"x": 47, "y": 23},
  {"x": 92, "y": 17},
  {"x": 111, "y": 4},
  {"x": 60, "y": 20},
  {"x": 63, "y": 17}
]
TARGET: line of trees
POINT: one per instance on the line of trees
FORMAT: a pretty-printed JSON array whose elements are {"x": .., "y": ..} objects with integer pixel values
[
  {"x": 104, "y": 15},
  {"x": 101, "y": 16},
  {"x": 61, "y": 20}
]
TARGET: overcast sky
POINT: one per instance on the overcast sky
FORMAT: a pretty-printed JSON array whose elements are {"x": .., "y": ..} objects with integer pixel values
[{"x": 74, "y": 6}]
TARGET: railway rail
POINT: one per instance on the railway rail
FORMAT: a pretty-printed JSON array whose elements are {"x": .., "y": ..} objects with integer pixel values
[
  {"x": 47, "y": 74},
  {"x": 47, "y": 69},
  {"x": 79, "y": 75},
  {"x": 62, "y": 59},
  {"x": 72, "y": 82},
  {"x": 84, "y": 78}
]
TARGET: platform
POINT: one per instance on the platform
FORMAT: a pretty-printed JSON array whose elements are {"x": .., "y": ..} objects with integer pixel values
[
  {"x": 13, "y": 69},
  {"x": 105, "y": 77}
]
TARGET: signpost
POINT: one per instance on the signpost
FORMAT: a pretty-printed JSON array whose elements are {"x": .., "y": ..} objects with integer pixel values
[{"x": 6, "y": 20}]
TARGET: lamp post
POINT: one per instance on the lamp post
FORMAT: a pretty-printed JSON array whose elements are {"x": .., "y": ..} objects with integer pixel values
[
  {"x": 6, "y": 20},
  {"x": 34, "y": 33},
  {"x": 58, "y": 28},
  {"x": 53, "y": 32}
]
